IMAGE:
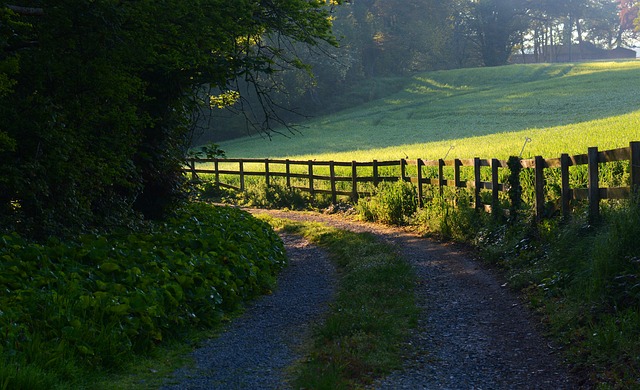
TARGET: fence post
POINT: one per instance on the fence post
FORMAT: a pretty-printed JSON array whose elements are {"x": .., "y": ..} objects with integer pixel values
[
  {"x": 594, "y": 190},
  {"x": 566, "y": 190},
  {"x": 192, "y": 165},
  {"x": 456, "y": 172},
  {"x": 515, "y": 187},
  {"x": 332, "y": 173},
  {"x": 287, "y": 169},
  {"x": 441, "y": 176},
  {"x": 216, "y": 168},
  {"x": 266, "y": 172},
  {"x": 311, "y": 190},
  {"x": 241, "y": 167},
  {"x": 419, "y": 163},
  {"x": 494, "y": 186},
  {"x": 476, "y": 174},
  {"x": 375, "y": 173},
  {"x": 403, "y": 169},
  {"x": 635, "y": 167},
  {"x": 354, "y": 182},
  {"x": 539, "y": 190}
]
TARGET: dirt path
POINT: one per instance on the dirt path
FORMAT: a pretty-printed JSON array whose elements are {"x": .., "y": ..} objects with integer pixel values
[{"x": 474, "y": 332}]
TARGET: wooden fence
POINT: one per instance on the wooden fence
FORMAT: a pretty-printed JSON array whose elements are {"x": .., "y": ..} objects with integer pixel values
[{"x": 269, "y": 169}]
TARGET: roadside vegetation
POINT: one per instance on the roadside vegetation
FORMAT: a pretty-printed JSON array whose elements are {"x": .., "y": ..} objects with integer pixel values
[
  {"x": 73, "y": 310},
  {"x": 581, "y": 277}
]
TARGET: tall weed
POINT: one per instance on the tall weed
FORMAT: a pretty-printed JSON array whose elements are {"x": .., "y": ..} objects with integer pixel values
[
  {"x": 449, "y": 216},
  {"x": 391, "y": 203}
]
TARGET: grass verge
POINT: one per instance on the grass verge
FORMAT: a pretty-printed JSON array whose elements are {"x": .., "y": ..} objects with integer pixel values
[
  {"x": 361, "y": 338},
  {"x": 582, "y": 279}
]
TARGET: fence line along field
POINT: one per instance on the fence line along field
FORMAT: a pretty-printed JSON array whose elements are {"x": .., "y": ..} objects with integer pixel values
[{"x": 337, "y": 178}]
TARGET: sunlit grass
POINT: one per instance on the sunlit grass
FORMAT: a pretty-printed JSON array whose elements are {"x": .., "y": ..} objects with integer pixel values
[{"x": 487, "y": 112}]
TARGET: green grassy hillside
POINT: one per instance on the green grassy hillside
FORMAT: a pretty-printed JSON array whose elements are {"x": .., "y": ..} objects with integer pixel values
[{"x": 484, "y": 112}]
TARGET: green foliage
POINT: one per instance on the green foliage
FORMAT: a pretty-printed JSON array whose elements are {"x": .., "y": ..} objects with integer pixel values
[
  {"x": 391, "y": 203},
  {"x": 210, "y": 150},
  {"x": 258, "y": 194},
  {"x": 93, "y": 302},
  {"x": 450, "y": 216},
  {"x": 27, "y": 378},
  {"x": 275, "y": 196},
  {"x": 96, "y": 97}
]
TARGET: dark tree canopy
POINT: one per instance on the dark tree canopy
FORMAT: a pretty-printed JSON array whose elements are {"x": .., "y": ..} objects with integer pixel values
[
  {"x": 96, "y": 95},
  {"x": 497, "y": 26}
]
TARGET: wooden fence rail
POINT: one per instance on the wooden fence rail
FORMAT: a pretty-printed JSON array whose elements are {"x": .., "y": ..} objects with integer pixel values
[{"x": 270, "y": 169}]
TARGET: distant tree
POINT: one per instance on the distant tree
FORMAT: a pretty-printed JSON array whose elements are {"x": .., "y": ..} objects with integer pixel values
[
  {"x": 96, "y": 96},
  {"x": 628, "y": 13},
  {"x": 497, "y": 26},
  {"x": 601, "y": 24},
  {"x": 394, "y": 37},
  {"x": 570, "y": 22}
]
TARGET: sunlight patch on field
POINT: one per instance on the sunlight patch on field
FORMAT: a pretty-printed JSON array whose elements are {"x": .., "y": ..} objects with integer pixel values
[
  {"x": 602, "y": 66},
  {"x": 549, "y": 143},
  {"x": 489, "y": 117}
]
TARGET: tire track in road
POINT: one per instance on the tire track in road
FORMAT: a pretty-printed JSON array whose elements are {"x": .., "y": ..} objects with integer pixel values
[{"x": 474, "y": 333}]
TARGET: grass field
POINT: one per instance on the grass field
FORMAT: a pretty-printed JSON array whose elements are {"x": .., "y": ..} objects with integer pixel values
[
  {"x": 484, "y": 112},
  {"x": 580, "y": 277}
]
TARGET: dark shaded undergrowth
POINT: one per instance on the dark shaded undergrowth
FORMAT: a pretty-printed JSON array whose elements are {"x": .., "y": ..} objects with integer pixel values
[{"x": 72, "y": 310}]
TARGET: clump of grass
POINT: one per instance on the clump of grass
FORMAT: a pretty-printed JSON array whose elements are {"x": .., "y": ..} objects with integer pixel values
[
  {"x": 258, "y": 194},
  {"x": 449, "y": 217},
  {"x": 361, "y": 337},
  {"x": 391, "y": 203},
  {"x": 275, "y": 196}
]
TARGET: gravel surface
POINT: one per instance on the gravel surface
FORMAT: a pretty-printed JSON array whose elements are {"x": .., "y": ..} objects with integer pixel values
[
  {"x": 474, "y": 332},
  {"x": 256, "y": 348}
]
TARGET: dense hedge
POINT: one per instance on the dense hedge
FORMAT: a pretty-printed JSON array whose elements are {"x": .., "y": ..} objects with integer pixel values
[{"x": 91, "y": 302}]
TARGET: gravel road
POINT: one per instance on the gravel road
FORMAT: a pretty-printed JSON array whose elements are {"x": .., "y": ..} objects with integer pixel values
[
  {"x": 474, "y": 332},
  {"x": 255, "y": 349}
]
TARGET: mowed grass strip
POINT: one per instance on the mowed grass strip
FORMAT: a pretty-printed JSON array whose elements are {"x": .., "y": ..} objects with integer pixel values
[{"x": 363, "y": 335}]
